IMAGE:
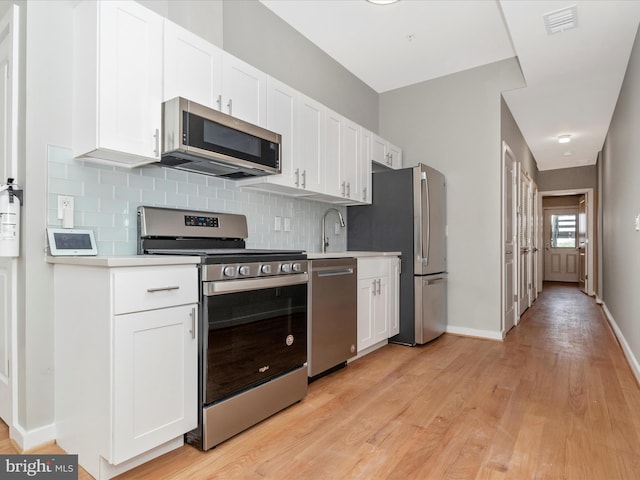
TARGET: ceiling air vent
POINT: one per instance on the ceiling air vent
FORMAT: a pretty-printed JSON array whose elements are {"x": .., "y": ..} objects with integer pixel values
[{"x": 561, "y": 20}]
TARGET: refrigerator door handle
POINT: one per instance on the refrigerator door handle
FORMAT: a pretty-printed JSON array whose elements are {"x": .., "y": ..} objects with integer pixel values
[{"x": 424, "y": 244}]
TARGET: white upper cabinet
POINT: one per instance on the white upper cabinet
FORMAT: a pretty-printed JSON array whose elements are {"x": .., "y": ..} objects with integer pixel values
[
  {"x": 350, "y": 162},
  {"x": 192, "y": 67},
  {"x": 117, "y": 82},
  {"x": 244, "y": 91},
  {"x": 310, "y": 149},
  {"x": 199, "y": 71},
  {"x": 385, "y": 153},
  {"x": 282, "y": 118},
  {"x": 333, "y": 154},
  {"x": 364, "y": 172},
  {"x": 395, "y": 156}
]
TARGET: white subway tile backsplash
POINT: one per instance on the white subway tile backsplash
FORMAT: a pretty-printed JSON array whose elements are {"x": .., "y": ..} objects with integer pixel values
[{"x": 107, "y": 198}]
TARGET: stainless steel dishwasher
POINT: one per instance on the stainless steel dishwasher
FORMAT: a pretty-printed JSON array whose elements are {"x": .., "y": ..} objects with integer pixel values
[{"x": 333, "y": 313}]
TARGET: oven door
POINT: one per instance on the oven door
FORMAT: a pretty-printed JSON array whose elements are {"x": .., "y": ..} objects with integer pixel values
[{"x": 257, "y": 330}]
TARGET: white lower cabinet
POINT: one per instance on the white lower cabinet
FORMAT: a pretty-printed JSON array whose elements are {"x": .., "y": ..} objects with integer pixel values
[
  {"x": 377, "y": 301},
  {"x": 126, "y": 363}
]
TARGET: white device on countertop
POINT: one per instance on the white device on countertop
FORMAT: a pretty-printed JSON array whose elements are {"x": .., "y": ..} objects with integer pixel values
[{"x": 70, "y": 241}]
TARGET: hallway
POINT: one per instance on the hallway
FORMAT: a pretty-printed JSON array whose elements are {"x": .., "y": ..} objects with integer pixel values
[{"x": 555, "y": 400}]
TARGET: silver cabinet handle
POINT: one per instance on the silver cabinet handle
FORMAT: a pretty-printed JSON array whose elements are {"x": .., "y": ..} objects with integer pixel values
[
  {"x": 364, "y": 194},
  {"x": 374, "y": 288},
  {"x": 230, "y": 106},
  {"x": 163, "y": 289},
  {"x": 379, "y": 287},
  {"x": 219, "y": 102},
  {"x": 348, "y": 189},
  {"x": 156, "y": 135},
  {"x": 297, "y": 182},
  {"x": 304, "y": 179},
  {"x": 193, "y": 323},
  {"x": 343, "y": 189},
  {"x": 389, "y": 159}
]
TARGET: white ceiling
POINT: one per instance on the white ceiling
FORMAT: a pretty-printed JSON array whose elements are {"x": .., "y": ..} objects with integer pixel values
[{"x": 573, "y": 78}]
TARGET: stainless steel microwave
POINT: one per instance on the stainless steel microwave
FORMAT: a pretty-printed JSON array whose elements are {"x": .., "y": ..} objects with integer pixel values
[{"x": 203, "y": 140}]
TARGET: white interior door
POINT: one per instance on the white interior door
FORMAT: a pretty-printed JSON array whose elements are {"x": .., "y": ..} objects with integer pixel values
[
  {"x": 509, "y": 229},
  {"x": 524, "y": 241},
  {"x": 561, "y": 260},
  {"x": 8, "y": 168},
  {"x": 534, "y": 240},
  {"x": 582, "y": 243}
]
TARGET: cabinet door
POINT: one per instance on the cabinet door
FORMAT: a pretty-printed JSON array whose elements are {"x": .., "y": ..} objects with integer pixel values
[
  {"x": 130, "y": 79},
  {"x": 244, "y": 91},
  {"x": 155, "y": 367},
  {"x": 366, "y": 288},
  {"x": 394, "y": 296},
  {"x": 310, "y": 146},
  {"x": 379, "y": 150},
  {"x": 381, "y": 310},
  {"x": 282, "y": 117},
  {"x": 192, "y": 67},
  {"x": 395, "y": 156},
  {"x": 332, "y": 155},
  {"x": 364, "y": 167},
  {"x": 350, "y": 161}
]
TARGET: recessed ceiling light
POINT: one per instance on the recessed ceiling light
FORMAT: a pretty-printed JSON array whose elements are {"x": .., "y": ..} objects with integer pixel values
[
  {"x": 564, "y": 138},
  {"x": 382, "y": 2}
]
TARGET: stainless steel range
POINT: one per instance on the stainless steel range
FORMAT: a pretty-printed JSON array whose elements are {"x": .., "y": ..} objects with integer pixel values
[{"x": 253, "y": 318}]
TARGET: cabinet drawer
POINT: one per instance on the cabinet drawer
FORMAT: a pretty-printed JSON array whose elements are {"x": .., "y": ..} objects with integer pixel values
[
  {"x": 147, "y": 288},
  {"x": 373, "y": 267}
]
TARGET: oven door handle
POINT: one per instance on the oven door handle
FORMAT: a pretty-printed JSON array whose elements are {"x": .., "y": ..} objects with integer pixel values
[{"x": 234, "y": 286}]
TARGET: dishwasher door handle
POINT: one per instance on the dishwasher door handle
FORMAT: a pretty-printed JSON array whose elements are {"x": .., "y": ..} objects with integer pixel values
[{"x": 334, "y": 272}]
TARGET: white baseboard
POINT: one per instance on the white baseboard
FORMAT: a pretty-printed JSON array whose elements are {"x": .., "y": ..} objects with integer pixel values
[
  {"x": 628, "y": 353},
  {"x": 472, "y": 332},
  {"x": 29, "y": 439}
]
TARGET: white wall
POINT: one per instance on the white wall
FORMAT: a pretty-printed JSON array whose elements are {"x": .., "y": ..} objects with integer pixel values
[
  {"x": 48, "y": 116},
  {"x": 453, "y": 124},
  {"x": 621, "y": 203}
]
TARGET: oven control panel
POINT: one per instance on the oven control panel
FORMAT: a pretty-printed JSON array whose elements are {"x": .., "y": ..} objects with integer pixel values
[
  {"x": 201, "y": 221},
  {"x": 232, "y": 271}
]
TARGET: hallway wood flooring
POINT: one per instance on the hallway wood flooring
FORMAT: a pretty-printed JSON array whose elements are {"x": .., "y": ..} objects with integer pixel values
[{"x": 555, "y": 400}]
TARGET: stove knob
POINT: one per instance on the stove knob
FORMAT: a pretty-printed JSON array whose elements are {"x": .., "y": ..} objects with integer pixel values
[
  {"x": 286, "y": 268},
  {"x": 244, "y": 270},
  {"x": 296, "y": 267},
  {"x": 265, "y": 269},
  {"x": 229, "y": 272}
]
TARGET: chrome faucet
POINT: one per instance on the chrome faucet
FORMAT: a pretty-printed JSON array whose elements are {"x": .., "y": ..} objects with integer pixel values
[{"x": 325, "y": 239}]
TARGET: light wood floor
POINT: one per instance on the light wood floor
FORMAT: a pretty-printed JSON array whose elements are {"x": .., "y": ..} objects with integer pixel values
[{"x": 555, "y": 400}]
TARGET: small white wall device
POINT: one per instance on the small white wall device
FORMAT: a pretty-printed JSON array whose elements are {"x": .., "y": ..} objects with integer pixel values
[{"x": 70, "y": 242}]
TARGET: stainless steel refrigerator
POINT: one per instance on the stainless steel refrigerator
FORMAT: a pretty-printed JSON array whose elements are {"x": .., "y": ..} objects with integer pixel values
[{"x": 408, "y": 214}]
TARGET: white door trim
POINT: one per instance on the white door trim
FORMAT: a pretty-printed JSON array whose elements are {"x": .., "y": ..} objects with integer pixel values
[{"x": 590, "y": 228}]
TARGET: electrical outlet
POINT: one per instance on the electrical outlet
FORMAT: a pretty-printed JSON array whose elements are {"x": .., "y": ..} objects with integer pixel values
[
  {"x": 637, "y": 222},
  {"x": 277, "y": 224},
  {"x": 287, "y": 224},
  {"x": 336, "y": 228},
  {"x": 65, "y": 202}
]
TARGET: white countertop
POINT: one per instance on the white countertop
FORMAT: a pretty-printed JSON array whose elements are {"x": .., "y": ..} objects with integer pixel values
[
  {"x": 125, "y": 261},
  {"x": 350, "y": 254}
]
